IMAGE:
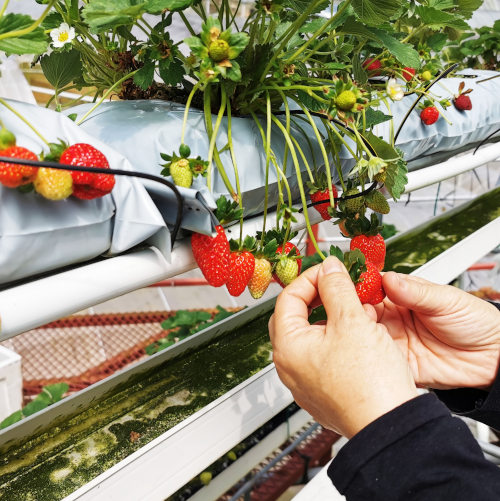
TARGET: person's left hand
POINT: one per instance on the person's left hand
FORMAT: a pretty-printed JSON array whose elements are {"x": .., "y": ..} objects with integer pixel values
[{"x": 347, "y": 372}]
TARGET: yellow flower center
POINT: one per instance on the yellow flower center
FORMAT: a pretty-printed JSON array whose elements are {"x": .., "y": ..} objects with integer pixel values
[{"x": 63, "y": 37}]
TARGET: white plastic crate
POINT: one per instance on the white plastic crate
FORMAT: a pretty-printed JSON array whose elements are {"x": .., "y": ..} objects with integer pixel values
[{"x": 11, "y": 382}]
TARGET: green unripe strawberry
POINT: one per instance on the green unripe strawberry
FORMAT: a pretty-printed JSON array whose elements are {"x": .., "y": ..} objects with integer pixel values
[
  {"x": 287, "y": 270},
  {"x": 353, "y": 205},
  {"x": 232, "y": 456},
  {"x": 218, "y": 50},
  {"x": 377, "y": 202},
  {"x": 205, "y": 477},
  {"x": 426, "y": 76},
  {"x": 346, "y": 100},
  {"x": 181, "y": 173}
]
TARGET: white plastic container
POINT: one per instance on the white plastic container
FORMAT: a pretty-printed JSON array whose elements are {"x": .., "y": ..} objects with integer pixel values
[{"x": 11, "y": 382}]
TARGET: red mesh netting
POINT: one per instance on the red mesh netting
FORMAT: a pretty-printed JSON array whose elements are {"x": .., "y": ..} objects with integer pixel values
[{"x": 83, "y": 349}]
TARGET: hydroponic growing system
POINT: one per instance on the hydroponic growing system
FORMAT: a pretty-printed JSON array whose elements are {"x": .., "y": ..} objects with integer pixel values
[{"x": 258, "y": 113}]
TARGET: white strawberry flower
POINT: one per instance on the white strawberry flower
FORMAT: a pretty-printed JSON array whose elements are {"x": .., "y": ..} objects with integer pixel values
[
  {"x": 62, "y": 35},
  {"x": 395, "y": 90}
]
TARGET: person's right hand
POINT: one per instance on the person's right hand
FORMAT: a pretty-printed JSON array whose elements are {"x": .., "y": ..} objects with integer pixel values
[{"x": 450, "y": 338}]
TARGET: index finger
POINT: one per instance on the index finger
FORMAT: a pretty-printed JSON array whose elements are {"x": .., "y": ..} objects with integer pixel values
[{"x": 292, "y": 307}]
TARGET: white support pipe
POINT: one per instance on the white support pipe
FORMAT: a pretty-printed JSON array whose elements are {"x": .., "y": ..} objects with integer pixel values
[
  {"x": 452, "y": 167},
  {"x": 36, "y": 303}
]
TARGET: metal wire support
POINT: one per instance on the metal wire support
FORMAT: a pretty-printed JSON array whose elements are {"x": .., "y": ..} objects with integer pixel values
[
  {"x": 116, "y": 172},
  {"x": 247, "y": 486}
]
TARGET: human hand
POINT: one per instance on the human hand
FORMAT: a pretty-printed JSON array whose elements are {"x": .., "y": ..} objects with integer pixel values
[
  {"x": 449, "y": 337},
  {"x": 346, "y": 372}
]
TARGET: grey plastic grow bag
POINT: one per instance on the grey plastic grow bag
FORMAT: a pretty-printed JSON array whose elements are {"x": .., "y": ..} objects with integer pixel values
[{"x": 39, "y": 235}]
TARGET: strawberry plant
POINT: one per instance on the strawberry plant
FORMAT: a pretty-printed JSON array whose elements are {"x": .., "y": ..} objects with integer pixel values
[
  {"x": 49, "y": 395},
  {"x": 185, "y": 323},
  {"x": 292, "y": 66}
]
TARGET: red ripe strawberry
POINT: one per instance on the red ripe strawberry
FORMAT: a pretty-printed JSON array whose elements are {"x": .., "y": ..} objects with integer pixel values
[
  {"x": 371, "y": 64},
  {"x": 373, "y": 247},
  {"x": 288, "y": 247},
  {"x": 429, "y": 115},
  {"x": 408, "y": 73},
  {"x": 241, "y": 268},
  {"x": 462, "y": 102},
  {"x": 14, "y": 175},
  {"x": 318, "y": 196},
  {"x": 212, "y": 256},
  {"x": 87, "y": 185},
  {"x": 369, "y": 289}
]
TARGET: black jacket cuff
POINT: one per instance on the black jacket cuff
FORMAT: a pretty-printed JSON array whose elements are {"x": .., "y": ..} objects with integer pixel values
[{"x": 382, "y": 433}]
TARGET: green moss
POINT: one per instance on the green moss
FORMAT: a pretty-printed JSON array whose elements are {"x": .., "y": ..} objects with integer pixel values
[
  {"x": 412, "y": 249},
  {"x": 58, "y": 462}
]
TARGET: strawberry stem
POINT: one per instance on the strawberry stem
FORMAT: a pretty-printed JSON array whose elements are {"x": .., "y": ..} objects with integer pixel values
[
  {"x": 233, "y": 159},
  {"x": 301, "y": 186},
  {"x": 338, "y": 164},
  {"x": 106, "y": 95},
  {"x": 323, "y": 152},
  {"x": 186, "y": 109},
  {"x": 18, "y": 115},
  {"x": 212, "y": 134}
]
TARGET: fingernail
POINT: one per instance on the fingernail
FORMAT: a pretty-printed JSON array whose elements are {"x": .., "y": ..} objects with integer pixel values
[{"x": 331, "y": 265}]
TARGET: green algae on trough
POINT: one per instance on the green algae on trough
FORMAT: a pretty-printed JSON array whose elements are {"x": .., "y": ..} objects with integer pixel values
[
  {"x": 56, "y": 463},
  {"x": 409, "y": 251}
]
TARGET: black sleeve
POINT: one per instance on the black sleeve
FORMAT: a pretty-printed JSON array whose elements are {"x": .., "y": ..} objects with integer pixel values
[
  {"x": 418, "y": 451},
  {"x": 476, "y": 404}
]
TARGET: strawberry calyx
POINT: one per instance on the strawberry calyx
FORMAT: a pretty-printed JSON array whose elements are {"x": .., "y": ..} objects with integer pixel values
[
  {"x": 7, "y": 138},
  {"x": 363, "y": 226},
  {"x": 197, "y": 166},
  {"x": 55, "y": 151},
  {"x": 461, "y": 91},
  {"x": 227, "y": 211},
  {"x": 354, "y": 261}
]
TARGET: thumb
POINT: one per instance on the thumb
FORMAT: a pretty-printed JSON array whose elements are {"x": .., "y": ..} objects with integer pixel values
[
  {"x": 337, "y": 291},
  {"x": 416, "y": 293}
]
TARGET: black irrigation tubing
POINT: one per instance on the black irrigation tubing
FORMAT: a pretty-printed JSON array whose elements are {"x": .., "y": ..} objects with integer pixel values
[
  {"x": 445, "y": 73},
  {"x": 116, "y": 172},
  {"x": 347, "y": 197},
  {"x": 485, "y": 140}
]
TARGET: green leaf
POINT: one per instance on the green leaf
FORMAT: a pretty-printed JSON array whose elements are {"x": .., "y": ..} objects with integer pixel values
[
  {"x": 375, "y": 117},
  {"x": 404, "y": 53},
  {"x": 144, "y": 77},
  {"x": 56, "y": 391},
  {"x": 382, "y": 148},
  {"x": 171, "y": 72},
  {"x": 234, "y": 73},
  {"x": 437, "y": 19},
  {"x": 441, "y": 4},
  {"x": 396, "y": 179},
  {"x": 41, "y": 402},
  {"x": 158, "y": 6},
  {"x": 35, "y": 42},
  {"x": 53, "y": 20},
  {"x": 11, "y": 419},
  {"x": 62, "y": 68},
  {"x": 375, "y": 12},
  {"x": 335, "y": 66},
  {"x": 312, "y": 26},
  {"x": 437, "y": 41},
  {"x": 359, "y": 72},
  {"x": 237, "y": 43},
  {"x": 300, "y": 6},
  {"x": 158, "y": 346},
  {"x": 467, "y": 7},
  {"x": 103, "y": 15}
]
